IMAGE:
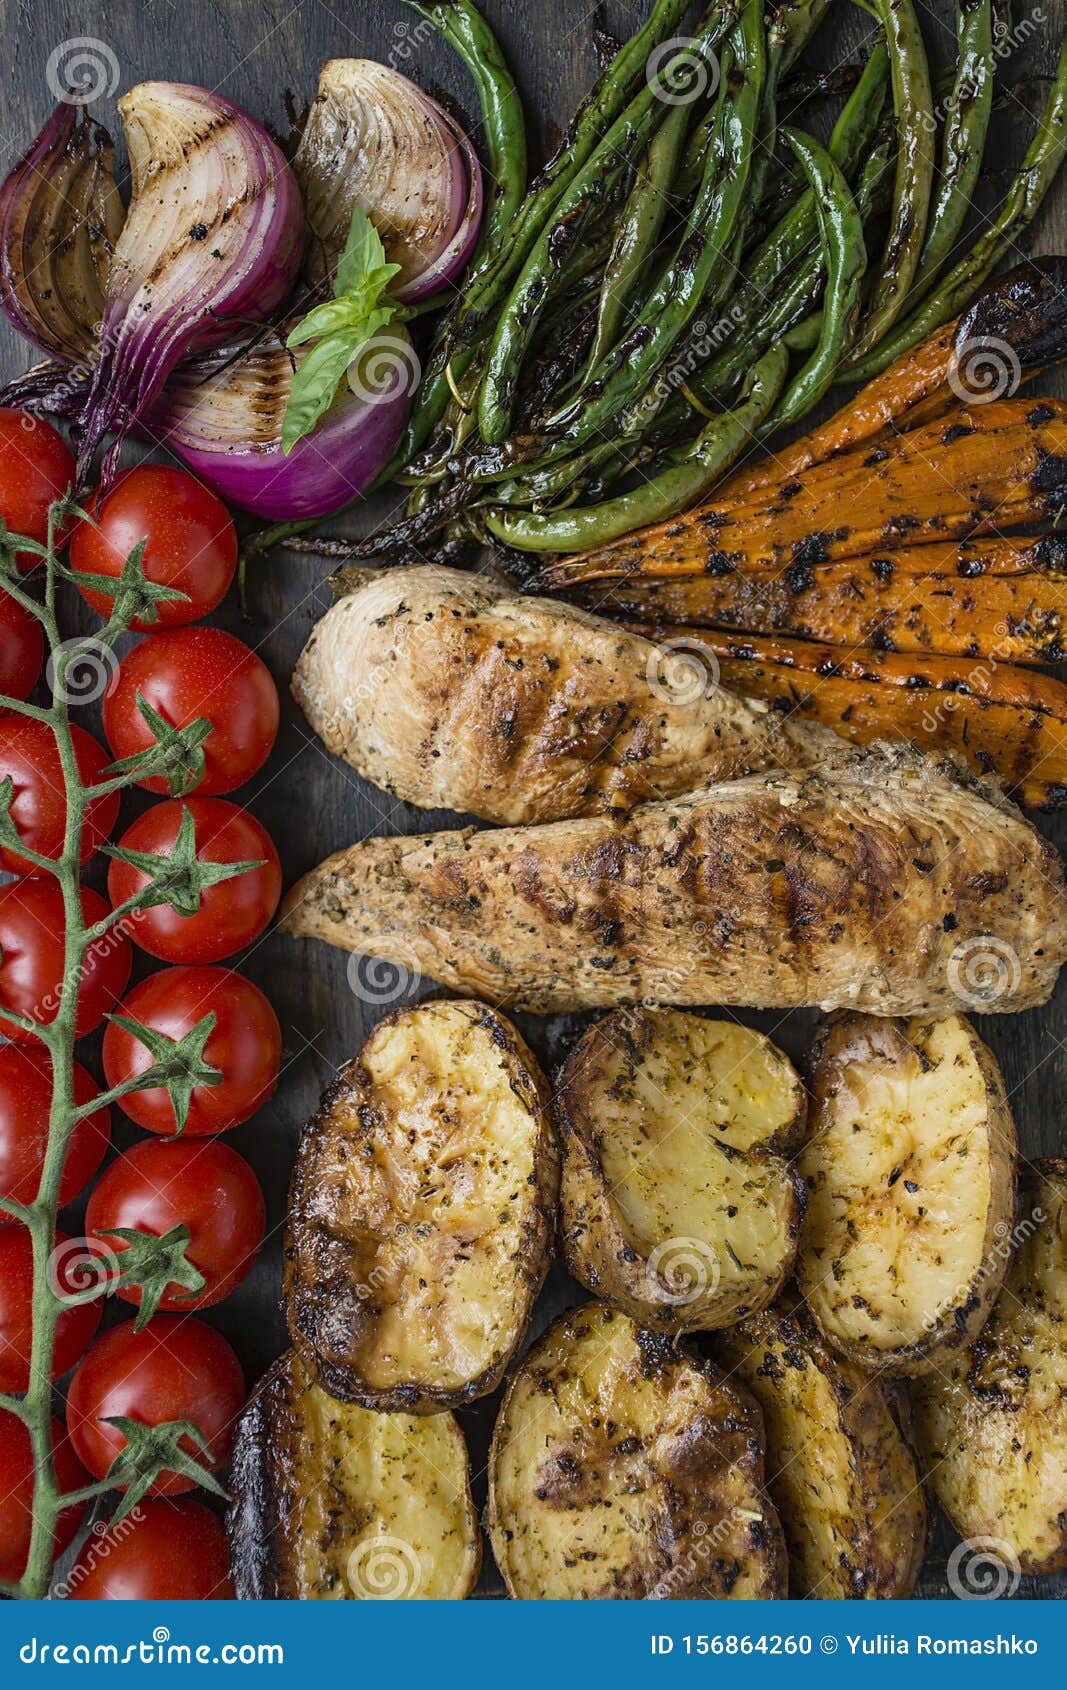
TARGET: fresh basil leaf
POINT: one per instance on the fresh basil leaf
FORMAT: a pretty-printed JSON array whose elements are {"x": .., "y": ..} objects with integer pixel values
[
  {"x": 313, "y": 387},
  {"x": 363, "y": 252}
]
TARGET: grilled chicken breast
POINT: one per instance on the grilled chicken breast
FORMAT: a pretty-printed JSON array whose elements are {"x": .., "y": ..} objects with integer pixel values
[
  {"x": 885, "y": 881},
  {"x": 449, "y": 690}
]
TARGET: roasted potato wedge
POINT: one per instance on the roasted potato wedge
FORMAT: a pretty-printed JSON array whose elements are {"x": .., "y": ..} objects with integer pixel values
[
  {"x": 622, "y": 1467},
  {"x": 422, "y": 1212},
  {"x": 334, "y": 1501},
  {"x": 909, "y": 1168},
  {"x": 677, "y": 1203},
  {"x": 991, "y": 1424},
  {"x": 839, "y": 1471}
]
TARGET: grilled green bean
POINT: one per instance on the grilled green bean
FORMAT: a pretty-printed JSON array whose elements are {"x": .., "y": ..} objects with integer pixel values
[
  {"x": 845, "y": 259},
  {"x": 916, "y": 132},
  {"x": 639, "y": 228},
  {"x": 1044, "y": 156},
  {"x": 970, "y": 105},
  {"x": 687, "y": 478}
]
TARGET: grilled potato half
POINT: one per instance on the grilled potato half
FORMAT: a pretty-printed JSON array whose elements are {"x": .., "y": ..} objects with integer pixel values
[
  {"x": 677, "y": 1201},
  {"x": 334, "y": 1501},
  {"x": 992, "y": 1423},
  {"x": 624, "y": 1468},
  {"x": 839, "y": 1471},
  {"x": 422, "y": 1212},
  {"x": 910, "y": 1173}
]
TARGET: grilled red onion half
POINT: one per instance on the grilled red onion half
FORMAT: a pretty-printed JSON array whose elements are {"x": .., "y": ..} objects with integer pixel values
[
  {"x": 213, "y": 239},
  {"x": 375, "y": 140},
  {"x": 60, "y": 217},
  {"x": 223, "y": 418}
]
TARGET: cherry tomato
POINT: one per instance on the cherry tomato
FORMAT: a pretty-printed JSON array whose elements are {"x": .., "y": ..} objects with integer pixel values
[
  {"x": 246, "y": 1047},
  {"x": 36, "y": 468},
  {"x": 32, "y": 926},
  {"x": 25, "y": 1101},
  {"x": 16, "y": 1494},
  {"x": 231, "y": 914},
  {"x": 186, "y": 673},
  {"x": 177, "y": 1368},
  {"x": 75, "y": 1326},
  {"x": 163, "y": 1551},
  {"x": 190, "y": 542},
  {"x": 183, "y": 1182},
  {"x": 21, "y": 648},
  {"x": 29, "y": 755}
]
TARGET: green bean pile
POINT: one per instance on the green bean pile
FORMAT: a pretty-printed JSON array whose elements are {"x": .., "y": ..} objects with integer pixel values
[{"x": 688, "y": 272}]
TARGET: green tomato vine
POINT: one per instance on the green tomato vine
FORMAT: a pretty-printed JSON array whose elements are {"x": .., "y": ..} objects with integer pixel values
[{"x": 178, "y": 1066}]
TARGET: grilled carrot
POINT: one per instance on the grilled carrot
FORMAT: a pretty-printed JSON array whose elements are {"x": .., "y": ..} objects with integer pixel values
[
  {"x": 979, "y": 469},
  {"x": 888, "y": 602},
  {"x": 1002, "y": 720}
]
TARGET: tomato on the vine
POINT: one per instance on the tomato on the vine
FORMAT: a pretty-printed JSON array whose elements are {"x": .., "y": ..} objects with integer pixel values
[
  {"x": 25, "y": 1102},
  {"x": 231, "y": 914},
  {"x": 187, "y": 673},
  {"x": 36, "y": 468},
  {"x": 206, "y": 1187},
  {"x": 75, "y": 1326},
  {"x": 32, "y": 927},
  {"x": 190, "y": 542},
  {"x": 16, "y": 1493},
  {"x": 29, "y": 755},
  {"x": 176, "y": 1368},
  {"x": 21, "y": 648},
  {"x": 163, "y": 1551},
  {"x": 245, "y": 1046}
]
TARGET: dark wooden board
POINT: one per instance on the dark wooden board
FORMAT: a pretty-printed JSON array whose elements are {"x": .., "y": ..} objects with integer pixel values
[{"x": 265, "y": 54}]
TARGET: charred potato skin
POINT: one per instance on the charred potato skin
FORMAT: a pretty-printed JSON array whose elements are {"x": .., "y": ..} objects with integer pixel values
[
  {"x": 958, "y": 1324},
  {"x": 880, "y": 1556},
  {"x": 311, "y": 1253},
  {"x": 738, "y": 1445},
  {"x": 594, "y": 1242},
  {"x": 980, "y": 1422},
  {"x": 265, "y": 1486}
]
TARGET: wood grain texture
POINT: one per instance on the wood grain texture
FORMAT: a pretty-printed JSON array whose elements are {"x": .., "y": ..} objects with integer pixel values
[{"x": 265, "y": 54}]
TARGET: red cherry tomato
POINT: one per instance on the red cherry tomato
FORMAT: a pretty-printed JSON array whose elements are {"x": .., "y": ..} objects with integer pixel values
[
  {"x": 16, "y": 1494},
  {"x": 184, "y": 1182},
  {"x": 186, "y": 673},
  {"x": 246, "y": 1047},
  {"x": 21, "y": 648},
  {"x": 75, "y": 1326},
  {"x": 231, "y": 914},
  {"x": 177, "y": 1368},
  {"x": 36, "y": 468},
  {"x": 32, "y": 927},
  {"x": 163, "y": 1551},
  {"x": 190, "y": 542},
  {"x": 29, "y": 755},
  {"x": 25, "y": 1101}
]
